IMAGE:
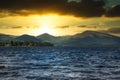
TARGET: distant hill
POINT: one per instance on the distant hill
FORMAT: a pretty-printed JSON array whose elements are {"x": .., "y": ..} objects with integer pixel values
[
  {"x": 92, "y": 38},
  {"x": 6, "y": 38},
  {"x": 27, "y": 38},
  {"x": 87, "y": 38},
  {"x": 46, "y": 37},
  {"x": 23, "y": 40},
  {"x": 52, "y": 39}
]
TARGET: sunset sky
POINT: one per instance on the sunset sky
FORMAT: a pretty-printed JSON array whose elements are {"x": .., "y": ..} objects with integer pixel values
[{"x": 59, "y": 17}]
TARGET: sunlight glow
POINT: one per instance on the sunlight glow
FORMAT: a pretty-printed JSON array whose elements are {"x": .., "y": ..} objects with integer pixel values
[
  {"x": 50, "y": 23},
  {"x": 39, "y": 24},
  {"x": 45, "y": 29}
]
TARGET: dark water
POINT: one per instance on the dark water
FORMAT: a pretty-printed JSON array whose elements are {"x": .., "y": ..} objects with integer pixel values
[{"x": 59, "y": 63}]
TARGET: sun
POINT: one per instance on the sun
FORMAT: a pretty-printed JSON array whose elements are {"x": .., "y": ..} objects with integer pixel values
[{"x": 46, "y": 29}]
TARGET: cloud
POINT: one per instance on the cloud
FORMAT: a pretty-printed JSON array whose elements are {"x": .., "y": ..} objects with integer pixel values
[
  {"x": 9, "y": 27},
  {"x": 87, "y": 8},
  {"x": 16, "y": 27},
  {"x": 82, "y": 26},
  {"x": 84, "y": 8},
  {"x": 87, "y": 26},
  {"x": 81, "y": 8},
  {"x": 66, "y": 26},
  {"x": 114, "y": 12},
  {"x": 114, "y": 30}
]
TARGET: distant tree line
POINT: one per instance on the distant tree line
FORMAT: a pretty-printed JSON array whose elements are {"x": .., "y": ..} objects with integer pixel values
[{"x": 19, "y": 43}]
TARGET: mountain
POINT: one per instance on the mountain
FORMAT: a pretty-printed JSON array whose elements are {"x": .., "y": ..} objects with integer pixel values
[
  {"x": 46, "y": 37},
  {"x": 52, "y": 39},
  {"x": 87, "y": 38},
  {"x": 6, "y": 38},
  {"x": 28, "y": 38},
  {"x": 92, "y": 38}
]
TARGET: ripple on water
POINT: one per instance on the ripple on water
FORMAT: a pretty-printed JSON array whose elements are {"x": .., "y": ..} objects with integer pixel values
[{"x": 59, "y": 63}]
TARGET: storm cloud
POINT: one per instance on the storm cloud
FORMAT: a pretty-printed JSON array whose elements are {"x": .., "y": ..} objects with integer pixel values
[{"x": 84, "y": 8}]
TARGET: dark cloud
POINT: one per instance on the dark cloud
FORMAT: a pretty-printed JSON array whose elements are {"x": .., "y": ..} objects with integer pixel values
[
  {"x": 81, "y": 8},
  {"x": 8, "y": 27},
  {"x": 82, "y": 26},
  {"x": 25, "y": 7},
  {"x": 16, "y": 27},
  {"x": 84, "y": 8},
  {"x": 114, "y": 12},
  {"x": 19, "y": 27},
  {"x": 88, "y": 8},
  {"x": 87, "y": 26},
  {"x": 66, "y": 26}
]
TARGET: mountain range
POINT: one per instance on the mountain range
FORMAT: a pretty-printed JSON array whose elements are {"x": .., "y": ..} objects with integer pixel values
[
  {"x": 87, "y": 38},
  {"x": 6, "y": 38},
  {"x": 27, "y": 38}
]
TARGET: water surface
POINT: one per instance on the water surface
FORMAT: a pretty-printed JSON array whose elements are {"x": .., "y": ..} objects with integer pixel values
[{"x": 59, "y": 63}]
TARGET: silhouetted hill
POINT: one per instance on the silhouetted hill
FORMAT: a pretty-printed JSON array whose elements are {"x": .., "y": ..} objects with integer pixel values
[
  {"x": 25, "y": 38},
  {"x": 92, "y": 34},
  {"x": 92, "y": 38},
  {"x": 87, "y": 38},
  {"x": 52, "y": 39},
  {"x": 46, "y": 37},
  {"x": 6, "y": 38}
]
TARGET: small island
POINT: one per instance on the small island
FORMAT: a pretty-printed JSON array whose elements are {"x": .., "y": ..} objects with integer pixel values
[{"x": 20, "y": 43}]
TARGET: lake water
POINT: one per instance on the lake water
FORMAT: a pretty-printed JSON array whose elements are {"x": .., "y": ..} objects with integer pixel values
[{"x": 59, "y": 63}]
